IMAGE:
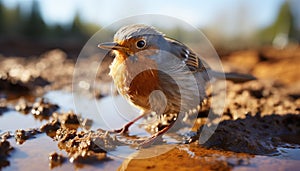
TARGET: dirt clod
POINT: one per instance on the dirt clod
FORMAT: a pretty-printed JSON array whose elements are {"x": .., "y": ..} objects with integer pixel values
[
  {"x": 51, "y": 127},
  {"x": 5, "y": 135},
  {"x": 5, "y": 148},
  {"x": 60, "y": 120},
  {"x": 55, "y": 159},
  {"x": 43, "y": 108},
  {"x": 22, "y": 135},
  {"x": 85, "y": 146},
  {"x": 23, "y": 106},
  {"x": 67, "y": 118},
  {"x": 81, "y": 146}
]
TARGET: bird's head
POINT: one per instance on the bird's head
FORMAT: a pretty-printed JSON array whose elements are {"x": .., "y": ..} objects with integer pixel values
[{"x": 131, "y": 39}]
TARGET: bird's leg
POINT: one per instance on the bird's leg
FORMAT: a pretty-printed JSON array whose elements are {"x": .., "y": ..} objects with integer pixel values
[
  {"x": 151, "y": 139},
  {"x": 125, "y": 127}
]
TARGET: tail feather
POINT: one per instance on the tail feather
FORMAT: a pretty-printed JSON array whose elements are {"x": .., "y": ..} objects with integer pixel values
[{"x": 232, "y": 76}]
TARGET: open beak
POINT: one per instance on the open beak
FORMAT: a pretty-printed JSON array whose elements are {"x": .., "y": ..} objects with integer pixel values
[{"x": 110, "y": 46}]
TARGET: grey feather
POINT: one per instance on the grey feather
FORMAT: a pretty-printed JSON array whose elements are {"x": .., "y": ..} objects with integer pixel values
[{"x": 135, "y": 30}]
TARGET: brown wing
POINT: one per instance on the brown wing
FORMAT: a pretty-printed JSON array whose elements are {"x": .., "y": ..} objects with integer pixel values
[{"x": 187, "y": 56}]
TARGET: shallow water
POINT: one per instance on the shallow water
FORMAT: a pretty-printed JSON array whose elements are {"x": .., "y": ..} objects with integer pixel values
[
  {"x": 36, "y": 151},
  {"x": 108, "y": 113}
]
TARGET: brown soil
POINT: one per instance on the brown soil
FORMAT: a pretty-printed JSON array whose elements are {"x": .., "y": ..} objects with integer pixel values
[
  {"x": 81, "y": 146},
  {"x": 55, "y": 159},
  {"x": 5, "y": 149},
  {"x": 22, "y": 135},
  {"x": 260, "y": 116},
  {"x": 188, "y": 157}
]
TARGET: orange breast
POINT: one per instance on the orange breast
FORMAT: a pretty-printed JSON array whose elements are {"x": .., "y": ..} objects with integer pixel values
[
  {"x": 141, "y": 87},
  {"x": 135, "y": 80}
]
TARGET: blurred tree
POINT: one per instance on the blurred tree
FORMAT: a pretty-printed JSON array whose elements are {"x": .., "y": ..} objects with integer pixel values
[
  {"x": 77, "y": 25},
  {"x": 82, "y": 30},
  {"x": 18, "y": 28},
  {"x": 14, "y": 21},
  {"x": 56, "y": 32},
  {"x": 90, "y": 29},
  {"x": 282, "y": 29},
  {"x": 35, "y": 26},
  {"x": 284, "y": 21},
  {"x": 2, "y": 18}
]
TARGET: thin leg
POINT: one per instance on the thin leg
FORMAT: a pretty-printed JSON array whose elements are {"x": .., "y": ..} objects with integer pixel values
[
  {"x": 151, "y": 139},
  {"x": 125, "y": 128}
]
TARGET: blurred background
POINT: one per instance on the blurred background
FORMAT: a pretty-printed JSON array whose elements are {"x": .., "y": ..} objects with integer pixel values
[{"x": 30, "y": 27}]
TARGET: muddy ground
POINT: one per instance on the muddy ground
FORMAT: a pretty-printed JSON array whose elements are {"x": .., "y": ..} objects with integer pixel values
[{"x": 260, "y": 123}]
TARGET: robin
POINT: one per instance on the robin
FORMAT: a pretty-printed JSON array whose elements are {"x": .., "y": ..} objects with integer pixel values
[{"x": 158, "y": 74}]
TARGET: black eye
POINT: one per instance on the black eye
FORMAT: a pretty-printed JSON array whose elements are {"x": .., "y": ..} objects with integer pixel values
[{"x": 140, "y": 44}]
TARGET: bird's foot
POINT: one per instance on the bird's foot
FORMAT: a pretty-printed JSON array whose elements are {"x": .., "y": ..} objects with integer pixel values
[
  {"x": 122, "y": 130},
  {"x": 157, "y": 137},
  {"x": 151, "y": 140}
]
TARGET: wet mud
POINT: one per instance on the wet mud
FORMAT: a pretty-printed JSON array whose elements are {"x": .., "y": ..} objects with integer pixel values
[{"x": 259, "y": 128}]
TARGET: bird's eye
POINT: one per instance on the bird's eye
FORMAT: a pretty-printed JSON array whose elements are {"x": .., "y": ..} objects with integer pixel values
[{"x": 140, "y": 44}]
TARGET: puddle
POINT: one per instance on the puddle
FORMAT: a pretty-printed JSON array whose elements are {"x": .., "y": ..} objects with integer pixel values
[
  {"x": 288, "y": 153},
  {"x": 13, "y": 120},
  {"x": 36, "y": 151},
  {"x": 272, "y": 163},
  {"x": 108, "y": 113},
  {"x": 284, "y": 159}
]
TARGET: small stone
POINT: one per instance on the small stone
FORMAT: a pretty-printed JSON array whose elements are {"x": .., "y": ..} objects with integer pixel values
[
  {"x": 21, "y": 135},
  {"x": 43, "y": 108},
  {"x": 55, "y": 159},
  {"x": 51, "y": 127},
  {"x": 5, "y": 148},
  {"x": 5, "y": 135},
  {"x": 23, "y": 106}
]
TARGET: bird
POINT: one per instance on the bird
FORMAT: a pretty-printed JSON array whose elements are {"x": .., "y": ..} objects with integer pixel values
[{"x": 158, "y": 74}]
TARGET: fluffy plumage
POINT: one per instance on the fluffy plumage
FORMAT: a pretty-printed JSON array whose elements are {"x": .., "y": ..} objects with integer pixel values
[{"x": 156, "y": 73}]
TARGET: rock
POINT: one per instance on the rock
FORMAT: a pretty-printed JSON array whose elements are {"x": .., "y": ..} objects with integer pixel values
[
  {"x": 22, "y": 135},
  {"x": 55, "y": 159}
]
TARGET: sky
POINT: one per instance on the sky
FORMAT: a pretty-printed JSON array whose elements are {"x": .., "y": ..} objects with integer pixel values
[{"x": 259, "y": 13}]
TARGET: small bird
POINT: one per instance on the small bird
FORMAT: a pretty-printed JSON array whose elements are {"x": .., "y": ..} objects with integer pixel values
[{"x": 158, "y": 74}]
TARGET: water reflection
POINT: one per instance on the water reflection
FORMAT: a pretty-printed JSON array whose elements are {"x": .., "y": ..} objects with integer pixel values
[{"x": 106, "y": 115}]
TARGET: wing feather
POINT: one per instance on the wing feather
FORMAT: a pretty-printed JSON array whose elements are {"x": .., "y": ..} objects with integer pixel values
[{"x": 187, "y": 56}]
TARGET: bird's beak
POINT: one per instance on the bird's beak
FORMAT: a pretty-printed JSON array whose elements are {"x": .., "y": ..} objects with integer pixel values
[{"x": 110, "y": 46}]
